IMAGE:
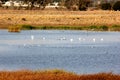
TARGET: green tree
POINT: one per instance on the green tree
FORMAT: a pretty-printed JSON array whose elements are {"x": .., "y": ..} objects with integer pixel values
[
  {"x": 82, "y": 4},
  {"x": 116, "y": 6},
  {"x": 106, "y": 6},
  {"x": 41, "y": 3}
]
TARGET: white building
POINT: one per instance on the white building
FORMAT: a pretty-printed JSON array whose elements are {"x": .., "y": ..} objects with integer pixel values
[
  {"x": 15, "y": 4},
  {"x": 52, "y": 5}
]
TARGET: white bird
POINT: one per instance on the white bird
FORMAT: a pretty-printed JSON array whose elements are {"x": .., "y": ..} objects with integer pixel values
[
  {"x": 32, "y": 37},
  {"x": 94, "y": 39},
  {"x": 62, "y": 38},
  {"x": 43, "y": 38},
  {"x": 71, "y": 40},
  {"x": 101, "y": 39},
  {"x": 79, "y": 39}
]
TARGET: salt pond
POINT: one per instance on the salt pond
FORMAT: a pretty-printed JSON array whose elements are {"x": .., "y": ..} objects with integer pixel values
[{"x": 77, "y": 51}]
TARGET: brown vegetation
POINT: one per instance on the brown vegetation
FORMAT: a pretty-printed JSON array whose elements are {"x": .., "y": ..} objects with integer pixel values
[
  {"x": 58, "y": 18},
  {"x": 54, "y": 75}
]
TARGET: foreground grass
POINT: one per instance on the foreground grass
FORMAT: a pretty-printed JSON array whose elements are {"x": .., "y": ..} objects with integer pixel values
[{"x": 54, "y": 75}]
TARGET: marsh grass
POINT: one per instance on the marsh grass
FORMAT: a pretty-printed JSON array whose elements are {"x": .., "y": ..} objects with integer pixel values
[
  {"x": 30, "y": 27},
  {"x": 27, "y": 27},
  {"x": 54, "y": 75},
  {"x": 98, "y": 28},
  {"x": 90, "y": 28},
  {"x": 14, "y": 28},
  {"x": 115, "y": 28},
  {"x": 59, "y": 27}
]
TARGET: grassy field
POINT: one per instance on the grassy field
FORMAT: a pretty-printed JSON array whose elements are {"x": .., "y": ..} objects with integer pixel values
[
  {"x": 54, "y": 75},
  {"x": 57, "y": 19}
]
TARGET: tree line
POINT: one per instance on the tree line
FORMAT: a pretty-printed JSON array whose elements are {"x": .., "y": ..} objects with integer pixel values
[
  {"x": 30, "y": 3},
  {"x": 69, "y": 4},
  {"x": 74, "y": 4}
]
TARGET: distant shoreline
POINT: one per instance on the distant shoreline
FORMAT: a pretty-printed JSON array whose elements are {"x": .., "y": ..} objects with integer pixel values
[{"x": 66, "y": 20}]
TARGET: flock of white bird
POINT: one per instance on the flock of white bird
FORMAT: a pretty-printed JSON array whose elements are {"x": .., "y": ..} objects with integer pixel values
[
  {"x": 71, "y": 40},
  {"x": 63, "y": 38}
]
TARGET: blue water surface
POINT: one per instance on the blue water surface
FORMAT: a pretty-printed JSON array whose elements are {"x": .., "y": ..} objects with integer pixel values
[{"x": 76, "y": 51}]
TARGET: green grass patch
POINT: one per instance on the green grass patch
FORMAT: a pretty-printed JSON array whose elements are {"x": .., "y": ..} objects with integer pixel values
[
  {"x": 30, "y": 27},
  {"x": 103, "y": 28},
  {"x": 115, "y": 28},
  {"x": 90, "y": 28},
  {"x": 27, "y": 27}
]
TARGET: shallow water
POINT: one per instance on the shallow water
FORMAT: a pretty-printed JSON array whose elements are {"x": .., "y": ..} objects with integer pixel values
[{"x": 77, "y": 51}]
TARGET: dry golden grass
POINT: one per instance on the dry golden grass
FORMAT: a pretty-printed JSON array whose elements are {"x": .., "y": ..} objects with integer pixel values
[
  {"x": 54, "y": 75},
  {"x": 58, "y": 18}
]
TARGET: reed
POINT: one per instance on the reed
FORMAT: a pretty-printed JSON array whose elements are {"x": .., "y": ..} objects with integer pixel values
[
  {"x": 90, "y": 28},
  {"x": 54, "y": 75},
  {"x": 14, "y": 28}
]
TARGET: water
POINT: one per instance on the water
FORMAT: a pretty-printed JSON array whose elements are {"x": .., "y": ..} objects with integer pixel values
[{"x": 76, "y": 51}]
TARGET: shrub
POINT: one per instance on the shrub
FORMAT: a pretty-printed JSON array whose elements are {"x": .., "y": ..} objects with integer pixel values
[
  {"x": 93, "y": 27},
  {"x": 106, "y": 6},
  {"x": 8, "y": 18},
  {"x": 44, "y": 27},
  {"x": 74, "y": 7},
  {"x": 28, "y": 27},
  {"x": 23, "y": 19},
  {"x": 104, "y": 28},
  {"x": 82, "y": 8},
  {"x": 115, "y": 28},
  {"x": 14, "y": 28},
  {"x": 116, "y": 6}
]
